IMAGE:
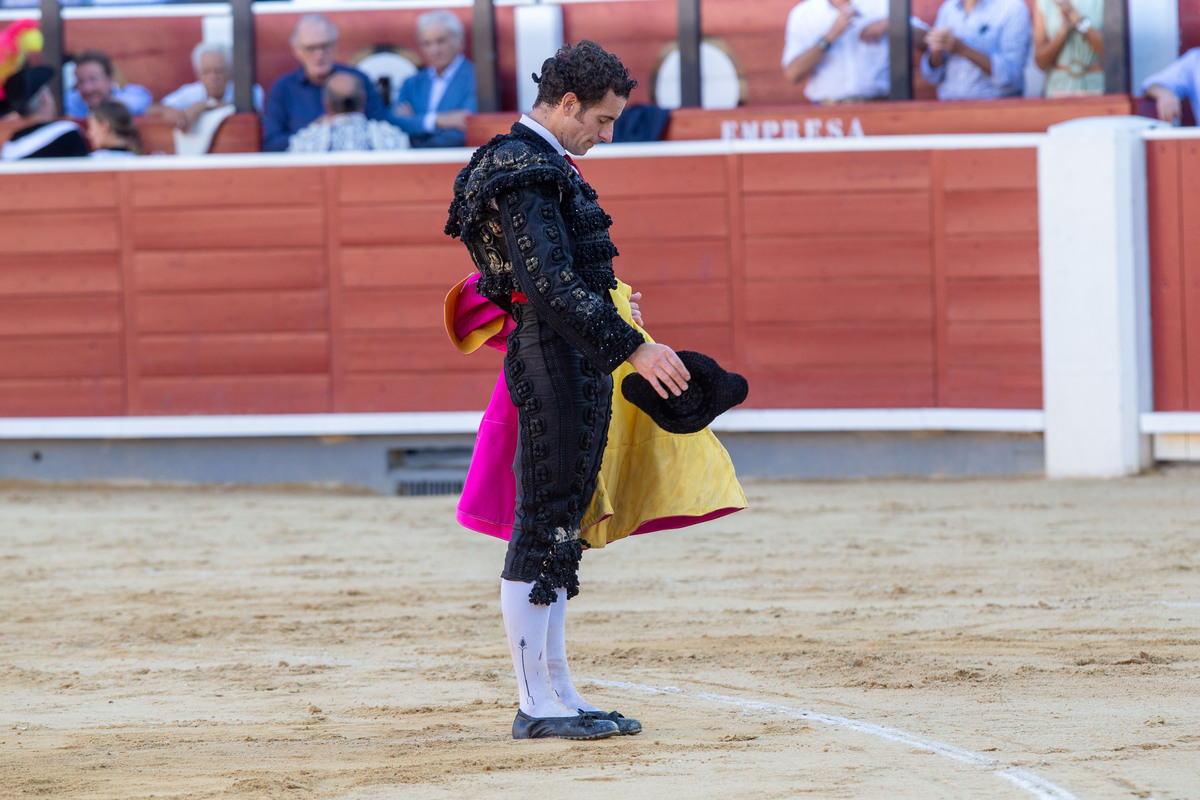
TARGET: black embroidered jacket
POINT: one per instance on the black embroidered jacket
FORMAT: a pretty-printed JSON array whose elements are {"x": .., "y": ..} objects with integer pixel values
[{"x": 532, "y": 225}]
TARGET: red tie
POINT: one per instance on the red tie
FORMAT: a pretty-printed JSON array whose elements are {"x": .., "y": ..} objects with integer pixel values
[{"x": 575, "y": 166}]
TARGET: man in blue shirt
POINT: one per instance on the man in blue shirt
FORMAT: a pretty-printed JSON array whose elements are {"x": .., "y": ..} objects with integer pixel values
[
  {"x": 295, "y": 99},
  {"x": 95, "y": 83},
  {"x": 1170, "y": 85},
  {"x": 434, "y": 104},
  {"x": 978, "y": 49}
]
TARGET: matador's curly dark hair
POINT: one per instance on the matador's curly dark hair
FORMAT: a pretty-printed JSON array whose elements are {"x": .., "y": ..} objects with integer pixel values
[{"x": 585, "y": 69}]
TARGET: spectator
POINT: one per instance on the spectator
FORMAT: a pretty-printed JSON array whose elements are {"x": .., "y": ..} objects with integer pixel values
[
  {"x": 295, "y": 100},
  {"x": 434, "y": 104},
  {"x": 28, "y": 99},
  {"x": 1169, "y": 86},
  {"x": 1068, "y": 46},
  {"x": 111, "y": 131},
  {"x": 978, "y": 49},
  {"x": 345, "y": 126},
  {"x": 841, "y": 48},
  {"x": 213, "y": 88},
  {"x": 94, "y": 83}
]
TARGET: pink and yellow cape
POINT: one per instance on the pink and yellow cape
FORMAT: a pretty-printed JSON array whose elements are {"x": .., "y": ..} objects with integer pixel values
[{"x": 650, "y": 480}]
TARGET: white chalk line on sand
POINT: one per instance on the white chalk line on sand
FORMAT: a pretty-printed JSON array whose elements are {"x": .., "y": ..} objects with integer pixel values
[{"x": 1020, "y": 777}]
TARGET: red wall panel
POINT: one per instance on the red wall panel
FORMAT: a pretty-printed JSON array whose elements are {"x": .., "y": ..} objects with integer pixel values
[
  {"x": 986, "y": 279},
  {"x": 855, "y": 214},
  {"x": 1189, "y": 212},
  {"x": 279, "y": 268},
  {"x": 63, "y": 397},
  {"x": 871, "y": 280},
  {"x": 1189, "y": 24},
  {"x": 782, "y": 258},
  {"x": 58, "y": 315},
  {"x": 1168, "y": 300},
  {"x": 234, "y": 354},
  {"x": 257, "y": 394},
  {"x": 229, "y": 312}
]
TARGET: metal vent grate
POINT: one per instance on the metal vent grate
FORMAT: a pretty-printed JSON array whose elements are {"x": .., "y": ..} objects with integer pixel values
[
  {"x": 418, "y": 488},
  {"x": 429, "y": 471}
]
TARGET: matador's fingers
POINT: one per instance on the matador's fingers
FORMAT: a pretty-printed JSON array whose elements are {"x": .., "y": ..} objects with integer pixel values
[{"x": 673, "y": 375}]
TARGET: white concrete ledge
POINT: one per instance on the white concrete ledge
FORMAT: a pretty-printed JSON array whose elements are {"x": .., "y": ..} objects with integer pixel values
[
  {"x": 240, "y": 426},
  {"x": 1170, "y": 422},
  {"x": 467, "y": 422},
  {"x": 1169, "y": 132},
  {"x": 460, "y": 155},
  {"x": 880, "y": 419}
]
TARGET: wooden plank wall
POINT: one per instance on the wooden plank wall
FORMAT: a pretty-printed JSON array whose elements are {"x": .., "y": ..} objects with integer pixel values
[
  {"x": 1189, "y": 24},
  {"x": 839, "y": 297},
  {"x": 393, "y": 268},
  {"x": 227, "y": 291},
  {"x": 986, "y": 265},
  {"x": 675, "y": 224},
  {"x": 61, "y": 296},
  {"x": 892, "y": 279},
  {"x": 1174, "y": 198},
  {"x": 888, "y": 279}
]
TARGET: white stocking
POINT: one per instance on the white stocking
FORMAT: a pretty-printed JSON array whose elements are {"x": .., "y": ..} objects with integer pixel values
[
  {"x": 526, "y": 625},
  {"x": 556, "y": 657}
]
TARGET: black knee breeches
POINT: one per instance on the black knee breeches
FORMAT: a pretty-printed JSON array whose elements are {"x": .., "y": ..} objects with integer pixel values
[{"x": 563, "y": 408}]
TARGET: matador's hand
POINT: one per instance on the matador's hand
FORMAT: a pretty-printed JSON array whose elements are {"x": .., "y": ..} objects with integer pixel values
[
  {"x": 635, "y": 310},
  {"x": 659, "y": 365}
]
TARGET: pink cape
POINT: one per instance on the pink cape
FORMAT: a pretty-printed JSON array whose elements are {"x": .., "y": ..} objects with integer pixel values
[{"x": 489, "y": 494}]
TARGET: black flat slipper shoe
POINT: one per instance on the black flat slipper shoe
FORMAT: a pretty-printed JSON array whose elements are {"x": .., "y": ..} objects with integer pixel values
[
  {"x": 578, "y": 727},
  {"x": 625, "y": 725}
]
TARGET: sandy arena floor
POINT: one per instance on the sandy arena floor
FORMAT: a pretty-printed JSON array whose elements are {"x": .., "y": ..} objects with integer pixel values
[{"x": 900, "y": 639}]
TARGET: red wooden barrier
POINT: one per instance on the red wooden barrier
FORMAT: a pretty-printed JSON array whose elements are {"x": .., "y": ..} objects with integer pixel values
[
  {"x": 1027, "y": 115},
  {"x": 1174, "y": 199},
  {"x": 866, "y": 279}
]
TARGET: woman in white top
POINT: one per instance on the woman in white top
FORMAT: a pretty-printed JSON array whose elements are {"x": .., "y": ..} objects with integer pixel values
[{"x": 1068, "y": 45}]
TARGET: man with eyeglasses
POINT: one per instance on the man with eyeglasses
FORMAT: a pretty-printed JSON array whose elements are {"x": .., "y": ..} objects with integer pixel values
[{"x": 296, "y": 99}]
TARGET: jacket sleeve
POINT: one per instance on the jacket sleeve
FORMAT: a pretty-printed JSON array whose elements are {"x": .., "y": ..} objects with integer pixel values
[
  {"x": 375, "y": 108},
  {"x": 411, "y": 123},
  {"x": 441, "y": 137},
  {"x": 536, "y": 237},
  {"x": 275, "y": 131}
]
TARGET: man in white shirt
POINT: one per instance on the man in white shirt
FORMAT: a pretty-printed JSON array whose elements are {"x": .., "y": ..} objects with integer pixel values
[
  {"x": 1172, "y": 84},
  {"x": 840, "y": 47},
  {"x": 213, "y": 88}
]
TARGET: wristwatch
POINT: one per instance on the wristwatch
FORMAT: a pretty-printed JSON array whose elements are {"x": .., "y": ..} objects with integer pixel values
[
  {"x": 823, "y": 44},
  {"x": 1083, "y": 26}
]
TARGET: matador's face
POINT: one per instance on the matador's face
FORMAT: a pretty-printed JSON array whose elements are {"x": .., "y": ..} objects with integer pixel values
[{"x": 583, "y": 129}]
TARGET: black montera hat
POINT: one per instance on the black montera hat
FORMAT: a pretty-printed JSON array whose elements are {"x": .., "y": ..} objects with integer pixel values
[
  {"x": 22, "y": 86},
  {"x": 711, "y": 392}
]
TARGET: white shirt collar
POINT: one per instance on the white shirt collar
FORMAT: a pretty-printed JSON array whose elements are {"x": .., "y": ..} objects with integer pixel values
[
  {"x": 450, "y": 69},
  {"x": 540, "y": 130}
]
